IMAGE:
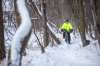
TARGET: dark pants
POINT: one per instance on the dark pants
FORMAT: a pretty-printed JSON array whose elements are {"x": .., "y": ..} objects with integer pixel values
[{"x": 67, "y": 37}]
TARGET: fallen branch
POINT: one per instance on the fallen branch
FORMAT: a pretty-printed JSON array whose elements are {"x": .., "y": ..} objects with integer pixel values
[{"x": 52, "y": 33}]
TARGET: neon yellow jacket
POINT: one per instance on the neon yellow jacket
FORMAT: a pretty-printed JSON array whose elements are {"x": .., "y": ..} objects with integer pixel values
[{"x": 67, "y": 26}]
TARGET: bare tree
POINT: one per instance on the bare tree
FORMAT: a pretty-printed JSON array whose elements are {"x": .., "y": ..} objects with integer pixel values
[
  {"x": 18, "y": 39},
  {"x": 82, "y": 22},
  {"x": 2, "y": 46},
  {"x": 46, "y": 36},
  {"x": 79, "y": 14},
  {"x": 96, "y": 18}
]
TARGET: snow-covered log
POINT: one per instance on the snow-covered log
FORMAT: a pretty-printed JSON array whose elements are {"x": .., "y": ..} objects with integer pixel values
[{"x": 21, "y": 33}]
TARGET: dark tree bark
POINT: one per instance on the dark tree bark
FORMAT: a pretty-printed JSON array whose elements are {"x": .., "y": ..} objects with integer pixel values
[
  {"x": 18, "y": 18},
  {"x": 2, "y": 46},
  {"x": 46, "y": 35},
  {"x": 79, "y": 13},
  {"x": 82, "y": 22},
  {"x": 96, "y": 18}
]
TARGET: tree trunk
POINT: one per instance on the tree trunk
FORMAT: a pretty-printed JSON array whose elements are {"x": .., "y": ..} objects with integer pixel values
[
  {"x": 18, "y": 17},
  {"x": 82, "y": 22},
  {"x": 78, "y": 10},
  {"x": 21, "y": 34},
  {"x": 2, "y": 46},
  {"x": 46, "y": 35},
  {"x": 96, "y": 18}
]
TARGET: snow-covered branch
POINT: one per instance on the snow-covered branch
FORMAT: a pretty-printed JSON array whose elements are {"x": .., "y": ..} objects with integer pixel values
[
  {"x": 40, "y": 12},
  {"x": 21, "y": 33},
  {"x": 53, "y": 32}
]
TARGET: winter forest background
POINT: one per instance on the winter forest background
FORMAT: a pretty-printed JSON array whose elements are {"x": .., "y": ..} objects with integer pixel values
[{"x": 30, "y": 34}]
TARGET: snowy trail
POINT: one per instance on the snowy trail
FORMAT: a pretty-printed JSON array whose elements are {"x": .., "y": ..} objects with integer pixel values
[{"x": 63, "y": 55}]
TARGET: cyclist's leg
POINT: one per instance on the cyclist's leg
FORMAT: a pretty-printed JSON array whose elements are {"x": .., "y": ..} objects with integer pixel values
[
  {"x": 66, "y": 37},
  {"x": 69, "y": 38},
  {"x": 64, "y": 34}
]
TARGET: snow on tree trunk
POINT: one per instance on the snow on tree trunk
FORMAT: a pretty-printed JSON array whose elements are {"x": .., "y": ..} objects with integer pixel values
[{"x": 21, "y": 33}]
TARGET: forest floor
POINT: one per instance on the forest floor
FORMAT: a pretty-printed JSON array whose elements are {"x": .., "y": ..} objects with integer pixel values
[{"x": 64, "y": 55}]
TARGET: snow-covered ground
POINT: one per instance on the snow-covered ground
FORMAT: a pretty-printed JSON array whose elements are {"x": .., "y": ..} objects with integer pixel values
[{"x": 64, "y": 55}]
